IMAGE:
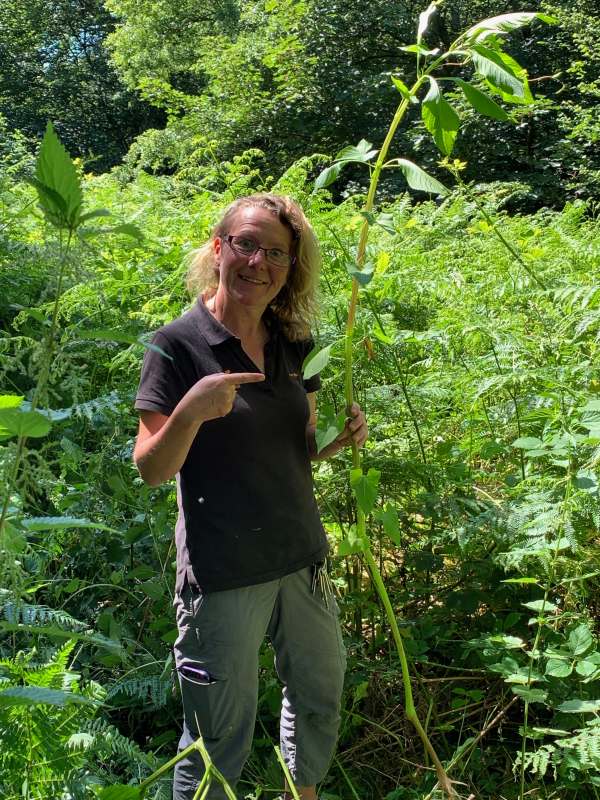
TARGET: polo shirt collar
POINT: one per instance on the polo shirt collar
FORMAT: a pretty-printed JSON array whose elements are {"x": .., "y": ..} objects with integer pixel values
[
  {"x": 216, "y": 333},
  {"x": 213, "y": 331}
]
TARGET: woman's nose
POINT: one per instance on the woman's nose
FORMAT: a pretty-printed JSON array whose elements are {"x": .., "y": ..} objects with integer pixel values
[{"x": 258, "y": 257}]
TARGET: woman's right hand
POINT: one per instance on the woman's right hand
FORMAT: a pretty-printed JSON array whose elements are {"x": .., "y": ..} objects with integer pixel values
[
  {"x": 213, "y": 396},
  {"x": 163, "y": 442}
]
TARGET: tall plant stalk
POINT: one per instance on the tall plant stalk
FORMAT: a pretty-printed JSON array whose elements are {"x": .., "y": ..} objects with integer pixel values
[
  {"x": 409, "y": 703},
  {"x": 480, "y": 46}
]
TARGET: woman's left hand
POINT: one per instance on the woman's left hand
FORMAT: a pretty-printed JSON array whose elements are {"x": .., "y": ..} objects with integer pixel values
[{"x": 355, "y": 429}]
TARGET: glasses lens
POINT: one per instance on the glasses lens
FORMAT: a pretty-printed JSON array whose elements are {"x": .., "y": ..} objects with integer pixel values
[
  {"x": 244, "y": 245},
  {"x": 278, "y": 257}
]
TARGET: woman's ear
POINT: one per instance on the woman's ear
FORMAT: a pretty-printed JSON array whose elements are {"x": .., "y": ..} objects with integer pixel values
[{"x": 217, "y": 241}]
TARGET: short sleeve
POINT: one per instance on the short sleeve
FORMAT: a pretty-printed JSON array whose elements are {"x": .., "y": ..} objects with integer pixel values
[
  {"x": 162, "y": 384},
  {"x": 312, "y": 384}
]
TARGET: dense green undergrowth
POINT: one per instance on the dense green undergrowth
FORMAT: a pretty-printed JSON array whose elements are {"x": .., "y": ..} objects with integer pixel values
[{"x": 482, "y": 390}]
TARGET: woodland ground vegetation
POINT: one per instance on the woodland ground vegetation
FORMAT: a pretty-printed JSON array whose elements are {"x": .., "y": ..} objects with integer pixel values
[{"x": 479, "y": 374}]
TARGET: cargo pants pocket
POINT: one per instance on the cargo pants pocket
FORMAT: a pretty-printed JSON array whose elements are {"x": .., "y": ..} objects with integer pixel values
[{"x": 208, "y": 685}]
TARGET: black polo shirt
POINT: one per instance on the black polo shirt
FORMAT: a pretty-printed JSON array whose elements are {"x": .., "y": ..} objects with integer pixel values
[{"x": 247, "y": 512}]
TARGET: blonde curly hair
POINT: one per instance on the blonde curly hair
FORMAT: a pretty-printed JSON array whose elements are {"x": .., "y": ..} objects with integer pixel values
[{"x": 295, "y": 307}]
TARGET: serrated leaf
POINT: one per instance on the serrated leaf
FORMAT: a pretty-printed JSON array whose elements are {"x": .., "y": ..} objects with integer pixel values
[
  {"x": 577, "y": 706},
  {"x": 316, "y": 361},
  {"x": 586, "y": 668},
  {"x": 40, "y": 695},
  {"x": 56, "y": 173},
  {"x": 97, "y": 212},
  {"x": 530, "y": 694},
  {"x": 580, "y": 640},
  {"x": 557, "y": 668},
  {"x": 440, "y": 119},
  {"x": 365, "y": 488},
  {"x": 481, "y": 102},
  {"x": 417, "y": 178},
  {"x": 128, "y": 229},
  {"x": 329, "y": 175},
  {"x": 329, "y": 426},
  {"x": 497, "y": 71},
  {"x": 16, "y": 422}
]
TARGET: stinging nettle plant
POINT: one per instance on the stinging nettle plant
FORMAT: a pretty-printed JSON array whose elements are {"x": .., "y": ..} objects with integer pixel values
[{"x": 496, "y": 75}]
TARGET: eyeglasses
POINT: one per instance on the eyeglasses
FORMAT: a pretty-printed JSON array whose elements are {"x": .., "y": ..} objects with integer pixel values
[{"x": 245, "y": 246}]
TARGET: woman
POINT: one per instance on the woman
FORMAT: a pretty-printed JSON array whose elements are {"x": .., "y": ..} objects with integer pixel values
[{"x": 224, "y": 408}]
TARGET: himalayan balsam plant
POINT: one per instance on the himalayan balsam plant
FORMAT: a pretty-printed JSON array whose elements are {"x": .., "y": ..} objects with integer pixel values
[{"x": 496, "y": 75}]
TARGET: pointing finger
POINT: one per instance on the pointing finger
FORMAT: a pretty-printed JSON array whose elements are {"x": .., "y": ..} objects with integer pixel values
[{"x": 238, "y": 378}]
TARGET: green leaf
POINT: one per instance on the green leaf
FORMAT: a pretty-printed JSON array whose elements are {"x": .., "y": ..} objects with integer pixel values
[
  {"x": 40, "y": 695},
  {"x": 586, "y": 668},
  {"x": 497, "y": 70},
  {"x": 329, "y": 426},
  {"x": 532, "y": 695},
  {"x": 119, "y": 791},
  {"x": 97, "y": 212},
  {"x": 16, "y": 422},
  {"x": 520, "y": 580},
  {"x": 420, "y": 50},
  {"x": 362, "y": 153},
  {"x": 365, "y": 275},
  {"x": 352, "y": 544},
  {"x": 481, "y": 102},
  {"x": 329, "y": 175},
  {"x": 557, "y": 668},
  {"x": 60, "y": 523},
  {"x": 402, "y": 87},
  {"x": 388, "y": 516},
  {"x": 365, "y": 488},
  {"x": 128, "y": 229},
  {"x": 527, "y": 443},
  {"x": 540, "y": 605},
  {"x": 440, "y": 119},
  {"x": 56, "y": 173},
  {"x": 505, "y": 23},
  {"x": 580, "y": 640},
  {"x": 316, "y": 361},
  {"x": 153, "y": 589},
  {"x": 417, "y": 178},
  {"x": 107, "y": 335},
  {"x": 578, "y": 706},
  {"x": 10, "y": 400}
]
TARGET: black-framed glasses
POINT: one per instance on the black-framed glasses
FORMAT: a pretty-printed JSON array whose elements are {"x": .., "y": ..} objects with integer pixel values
[{"x": 246, "y": 246}]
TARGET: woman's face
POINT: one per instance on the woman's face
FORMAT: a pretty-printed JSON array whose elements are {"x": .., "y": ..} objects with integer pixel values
[{"x": 251, "y": 280}]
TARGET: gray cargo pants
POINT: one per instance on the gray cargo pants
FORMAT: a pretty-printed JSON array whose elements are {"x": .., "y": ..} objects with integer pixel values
[{"x": 216, "y": 655}]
